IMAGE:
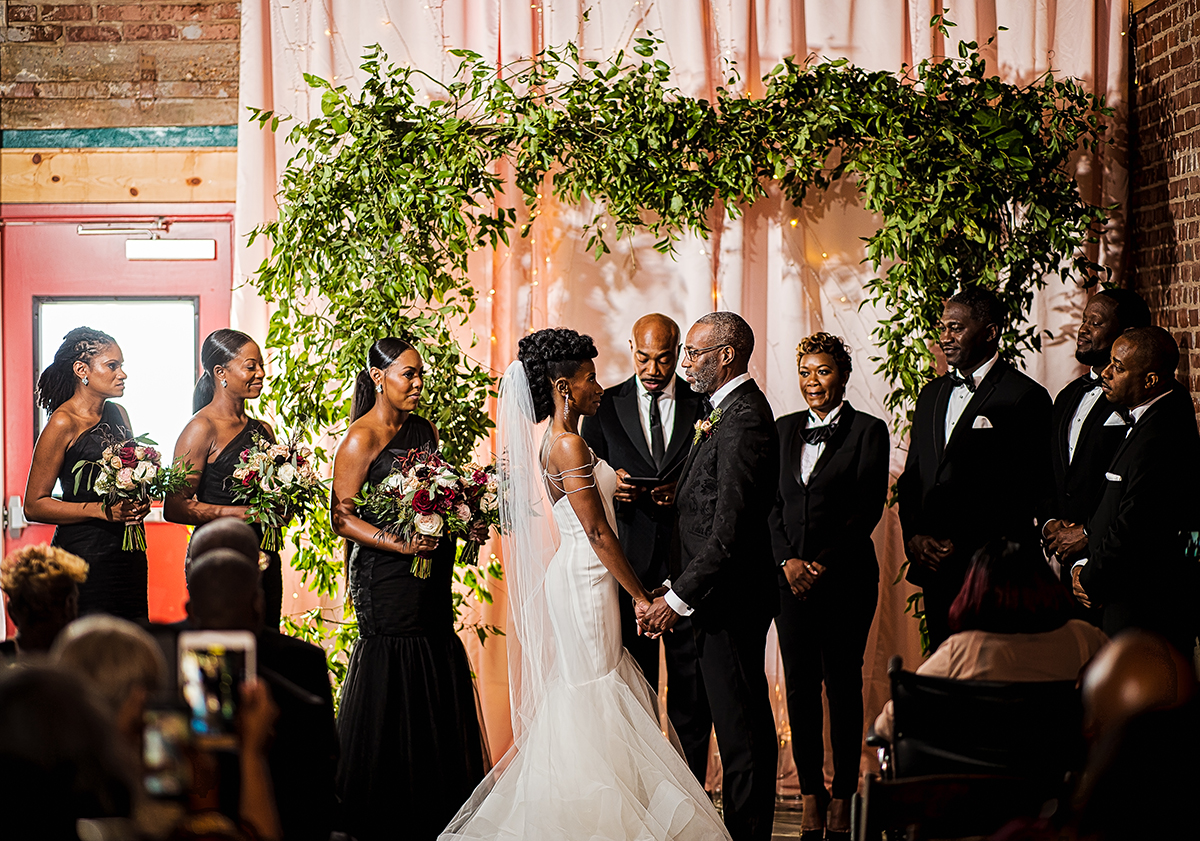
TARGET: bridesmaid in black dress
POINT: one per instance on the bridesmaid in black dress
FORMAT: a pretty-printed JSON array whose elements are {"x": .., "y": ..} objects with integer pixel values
[
  {"x": 412, "y": 748},
  {"x": 213, "y": 441},
  {"x": 76, "y": 389}
]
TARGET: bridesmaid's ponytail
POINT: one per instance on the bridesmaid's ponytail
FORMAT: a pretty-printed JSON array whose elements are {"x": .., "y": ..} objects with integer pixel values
[
  {"x": 220, "y": 348},
  {"x": 381, "y": 355},
  {"x": 57, "y": 383},
  {"x": 364, "y": 395}
]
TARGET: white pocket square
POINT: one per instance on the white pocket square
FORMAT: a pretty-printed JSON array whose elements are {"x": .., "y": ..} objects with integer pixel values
[
  {"x": 1115, "y": 420},
  {"x": 1113, "y": 477},
  {"x": 981, "y": 422}
]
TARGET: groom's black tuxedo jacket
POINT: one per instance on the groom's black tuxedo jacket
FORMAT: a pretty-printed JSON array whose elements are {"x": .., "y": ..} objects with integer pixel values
[
  {"x": 985, "y": 482},
  {"x": 645, "y": 528},
  {"x": 1137, "y": 566},
  {"x": 725, "y": 496},
  {"x": 830, "y": 519},
  {"x": 1079, "y": 484}
]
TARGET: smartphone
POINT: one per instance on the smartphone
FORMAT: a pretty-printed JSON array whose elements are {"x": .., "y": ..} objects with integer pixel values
[
  {"x": 212, "y": 667},
  {"x": 165, "y": 737}
]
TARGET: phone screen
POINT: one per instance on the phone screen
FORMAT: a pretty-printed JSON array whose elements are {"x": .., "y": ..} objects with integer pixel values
[
  {"x": 165, "y": 736},
  {"x": 211, "y": 675}
]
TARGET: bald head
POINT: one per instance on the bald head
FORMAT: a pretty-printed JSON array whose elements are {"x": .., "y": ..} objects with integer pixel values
[
  {"x": 655, "y": 346},
  {"x": 1136, "y": 672},
  {"x": 1154, "y": 351},
  {"x": 225, "y": 533},
  {"x": 225, "y": 592}
]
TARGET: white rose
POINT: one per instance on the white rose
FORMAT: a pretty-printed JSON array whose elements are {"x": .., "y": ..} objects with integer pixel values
[
  {"x": 492, "y": 487},
  {"x": 286, "y": 473},
  {"x": 489, "y": 502},
  {"x": 116, "y": 463},
  {"x": 280, "y": 451},
  {"x": 125, "y": 478},
  {"x": 428, "y": 524},
  {"x": 139, "y": 453},
  {"x": 395, "y": 481},
  {"x": 144, "y": 472}
]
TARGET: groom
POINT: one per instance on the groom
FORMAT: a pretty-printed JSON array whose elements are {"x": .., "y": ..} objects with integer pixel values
[{"x": 726, "y": 581}]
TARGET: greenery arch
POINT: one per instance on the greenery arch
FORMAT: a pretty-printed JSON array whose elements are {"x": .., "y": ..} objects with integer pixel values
[{"x": 388, "y": 197}]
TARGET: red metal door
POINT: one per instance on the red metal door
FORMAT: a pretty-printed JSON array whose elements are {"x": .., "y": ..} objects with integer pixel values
[{"x": 70, "y": 261}]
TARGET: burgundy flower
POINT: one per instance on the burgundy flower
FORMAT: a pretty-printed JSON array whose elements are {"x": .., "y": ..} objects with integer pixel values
[
  {"x": 422, "y": 503},
  {"x": 152, "y": 454},
  {"x": 128, "y": 455}
]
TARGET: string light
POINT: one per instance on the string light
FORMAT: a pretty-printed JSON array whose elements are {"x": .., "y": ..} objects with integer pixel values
[{"x": 793, "y": 222}]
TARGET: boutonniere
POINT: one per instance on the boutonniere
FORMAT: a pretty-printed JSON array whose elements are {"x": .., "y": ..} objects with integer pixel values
[{"x": 706, "y": 427}]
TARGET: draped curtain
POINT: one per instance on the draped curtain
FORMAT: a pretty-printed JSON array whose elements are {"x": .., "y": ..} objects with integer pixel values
[{"x": 788, "y": 270}]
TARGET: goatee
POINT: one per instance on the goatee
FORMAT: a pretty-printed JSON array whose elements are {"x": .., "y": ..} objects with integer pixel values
[{"x": 1092, "y": 358}]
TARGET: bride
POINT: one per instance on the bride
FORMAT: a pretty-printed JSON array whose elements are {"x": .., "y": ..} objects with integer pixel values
[{"x": 589, "y": 760}]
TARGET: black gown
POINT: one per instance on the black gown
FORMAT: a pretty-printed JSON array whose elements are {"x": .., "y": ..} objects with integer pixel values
[
  {"x": 214, "y": 489},
  {"x": 116, "y": 581},
  {"x": 411, "y": 746}
]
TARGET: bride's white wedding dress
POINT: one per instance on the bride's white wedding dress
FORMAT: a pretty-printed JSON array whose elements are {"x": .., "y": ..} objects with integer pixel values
[{"x": 592, "y": 763}]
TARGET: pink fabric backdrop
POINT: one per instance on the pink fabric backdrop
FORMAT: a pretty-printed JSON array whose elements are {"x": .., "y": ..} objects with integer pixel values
[{"x": 788, "y": 271}]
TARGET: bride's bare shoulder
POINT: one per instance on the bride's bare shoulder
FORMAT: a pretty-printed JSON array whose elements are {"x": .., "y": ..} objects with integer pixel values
[{"x": 568, "y": 451}]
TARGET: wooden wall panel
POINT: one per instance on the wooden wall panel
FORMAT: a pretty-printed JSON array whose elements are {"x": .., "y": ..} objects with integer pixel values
[{"x": 73, "y": 176}]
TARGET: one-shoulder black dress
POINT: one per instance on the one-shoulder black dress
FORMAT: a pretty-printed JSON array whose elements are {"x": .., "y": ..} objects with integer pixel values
[
  {"x": 412, "y": 748},
  {"x": 116, "y": 581},
  {"x": 215, "y": 489}
]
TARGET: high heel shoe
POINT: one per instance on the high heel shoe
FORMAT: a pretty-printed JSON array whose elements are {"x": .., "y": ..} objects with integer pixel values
[{"x": 822, "y": 803}]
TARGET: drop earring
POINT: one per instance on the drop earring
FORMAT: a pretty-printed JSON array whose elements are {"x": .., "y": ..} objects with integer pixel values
[
  {"x": 84, "y": 381},
  {"x": 224, "y": 384},
  {"x": 566, "y": 405}
]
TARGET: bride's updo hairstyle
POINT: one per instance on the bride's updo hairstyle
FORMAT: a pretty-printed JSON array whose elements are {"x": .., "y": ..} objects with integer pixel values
[
  {"x": 382, "y": 355},
  {"x": 550, "y": 354},
  {"x": 57, "y": 383},
  {"x": 220, "y": 348}
]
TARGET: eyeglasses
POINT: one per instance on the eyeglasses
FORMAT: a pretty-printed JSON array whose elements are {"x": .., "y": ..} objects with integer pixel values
[{"x": 692, "y": 353}]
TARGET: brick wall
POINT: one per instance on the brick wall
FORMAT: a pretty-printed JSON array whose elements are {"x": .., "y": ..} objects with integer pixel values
[
  {"x": 1164, "y": 219},
  {"x": 102, "y": 64}
]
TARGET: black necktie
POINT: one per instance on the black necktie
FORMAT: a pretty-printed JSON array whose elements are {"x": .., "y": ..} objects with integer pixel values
[
  {"x": 657, "y": 445},
  {"x": 817, "y": 434},
  {"x": 958, "y": 379}
]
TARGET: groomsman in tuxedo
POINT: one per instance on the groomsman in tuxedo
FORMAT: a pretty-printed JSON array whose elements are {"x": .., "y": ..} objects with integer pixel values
[
  {"x": 726, "y": 576},
  {"x": 1137, "y": 568},
  {"x": 644, "y": 430},
  {"x": 977, "y": 456},
  {"x": 1084, "y": 434}
]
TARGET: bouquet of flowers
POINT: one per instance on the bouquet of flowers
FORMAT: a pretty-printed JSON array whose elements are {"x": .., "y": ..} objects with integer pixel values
[
  {"x": 279, "y": 482},
  {"x": 132, "y": 469},
  {"x": 482, "y": 499},
  {"x": 425, "y": 495}
]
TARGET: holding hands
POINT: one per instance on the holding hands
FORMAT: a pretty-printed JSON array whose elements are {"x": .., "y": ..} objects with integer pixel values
[
  {"x": 929, "y": 552},
  {"x": 1065, "y": 541},
  {"x": 655, "y": 617},
  {"x": 802, "y": 575}
]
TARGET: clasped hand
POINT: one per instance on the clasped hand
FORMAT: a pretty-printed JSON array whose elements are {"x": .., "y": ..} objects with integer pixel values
[
  {"x": 929, "y": 552},
  {"x": 127, "y": 511},
  {"x": 655, "y": 617},
  {"x": 1064, "y": 540},
  {"x": 802, "y": 575}
]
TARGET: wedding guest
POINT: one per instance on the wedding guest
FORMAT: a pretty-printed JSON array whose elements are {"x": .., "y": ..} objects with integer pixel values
[
  {"x": 1012, "y": 621},
  {"x": 1084, "y": 433},
  {"x": 120, "y": 661},
  {"x": 411, "y": 745},
  {"x": 77, "y": 389},
  {"x": 42, "y": 584},
  {"x": 644, "y": 429},
  {"x": 213, "y": 441},
  {"x": 833, "y": 482},
  {"x": 224, "y": 533},
  {"x": 977, "y": 456},
  {"x": 225, "y": 594},
  {"x": 61, "y": 756},
  {"x": 1137, "y": 568}
]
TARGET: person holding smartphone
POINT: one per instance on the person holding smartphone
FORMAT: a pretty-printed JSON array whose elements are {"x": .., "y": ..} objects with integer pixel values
[{"x": 644, "y": 429}]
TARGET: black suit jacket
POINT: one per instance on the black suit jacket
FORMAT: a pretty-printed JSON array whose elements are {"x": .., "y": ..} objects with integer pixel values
[
  {"x": 645, "y": 529},
  {"x": 986, "y": 481},
  {"x": 725, "y": 497},
  {"x": 304, "y": 754},
  {"x": 830, "y": 519},
  {"x": 1079, "y": 484},
  {"x": 1137, "y": 567}
]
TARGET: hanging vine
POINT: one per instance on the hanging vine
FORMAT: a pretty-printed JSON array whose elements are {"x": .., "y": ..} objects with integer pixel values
[{"x": 389, "y": 196}]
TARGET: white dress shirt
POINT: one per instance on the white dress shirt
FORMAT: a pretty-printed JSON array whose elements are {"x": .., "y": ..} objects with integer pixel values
[
  {"x": 960, "y": 396},
  {"x": 810, "y": 454},
  {"x": 673, "y": 601},
  {"x": 1135, "y": 415},
  {"x": 666, "y": 411},
  {"x": 1090, "y": 398}
]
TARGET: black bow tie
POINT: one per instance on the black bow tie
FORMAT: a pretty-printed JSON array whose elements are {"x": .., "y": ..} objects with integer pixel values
[
  {"x": 958, "y": 379},
  {"x": 817, "y": 434},
  {"x": 1094, "y": 384},
  {"x": 1126, "y": 414}
]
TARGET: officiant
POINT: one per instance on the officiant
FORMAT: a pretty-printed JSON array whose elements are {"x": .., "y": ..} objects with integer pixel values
[{"x": 643, "y": 430}]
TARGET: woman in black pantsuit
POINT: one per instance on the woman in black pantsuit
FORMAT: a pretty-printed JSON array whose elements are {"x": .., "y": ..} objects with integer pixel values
[{"x": 833, "y": 483}]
